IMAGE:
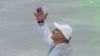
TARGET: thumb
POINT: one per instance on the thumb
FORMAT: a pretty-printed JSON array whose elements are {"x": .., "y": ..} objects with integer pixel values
[{"x": 46, "y": 15}]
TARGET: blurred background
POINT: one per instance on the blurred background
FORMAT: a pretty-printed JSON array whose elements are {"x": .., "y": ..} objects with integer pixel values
[{"x": 20, "y": 35}]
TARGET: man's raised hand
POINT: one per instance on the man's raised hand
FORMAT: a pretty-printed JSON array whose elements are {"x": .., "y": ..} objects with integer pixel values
[{"x": 40, "y": 15}]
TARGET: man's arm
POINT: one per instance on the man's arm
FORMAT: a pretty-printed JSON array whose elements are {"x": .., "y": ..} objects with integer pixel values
[
  {"x": 46, "y": 33},
  {"x": 40, "y": 16}
]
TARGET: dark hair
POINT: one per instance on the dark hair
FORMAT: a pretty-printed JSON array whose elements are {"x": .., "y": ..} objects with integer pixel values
[{"x": 67, "y": 41}]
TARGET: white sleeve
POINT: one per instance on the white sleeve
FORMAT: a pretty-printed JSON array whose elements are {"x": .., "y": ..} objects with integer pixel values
[{"x": 46, "y": 33}]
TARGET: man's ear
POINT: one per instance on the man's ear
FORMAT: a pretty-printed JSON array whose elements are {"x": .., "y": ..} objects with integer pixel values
[{"x": 69, "y": 37}]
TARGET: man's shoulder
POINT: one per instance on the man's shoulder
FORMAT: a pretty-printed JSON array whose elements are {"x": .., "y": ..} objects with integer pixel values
[{"x": 63, "y": 47}]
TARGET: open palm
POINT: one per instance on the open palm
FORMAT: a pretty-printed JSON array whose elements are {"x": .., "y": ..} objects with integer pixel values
[{"x": 40, "y": 16}]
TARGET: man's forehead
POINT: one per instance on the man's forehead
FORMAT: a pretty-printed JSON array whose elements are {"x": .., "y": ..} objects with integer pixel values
[{"x": 56, "y": 29}]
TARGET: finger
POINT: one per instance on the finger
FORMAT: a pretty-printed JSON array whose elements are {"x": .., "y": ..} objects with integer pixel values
[
  {"x": 37, "y": 10},
  {"x": 46, "y": 15},
  {"x": 41, "y": 10},
  {"x": 35, "y": 14}
]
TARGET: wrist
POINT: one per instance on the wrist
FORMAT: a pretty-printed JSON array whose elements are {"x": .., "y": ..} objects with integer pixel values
[{"x": 40, "y": 22}]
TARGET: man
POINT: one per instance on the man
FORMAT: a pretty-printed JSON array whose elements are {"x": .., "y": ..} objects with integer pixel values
[{"x": 59, "y": 40}]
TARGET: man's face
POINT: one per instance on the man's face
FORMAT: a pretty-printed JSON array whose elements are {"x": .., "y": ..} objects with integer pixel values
[{"x": 57, "y": 35}]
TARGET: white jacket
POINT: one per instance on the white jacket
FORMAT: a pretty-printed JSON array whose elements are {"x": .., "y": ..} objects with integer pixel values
[{"x": 63, "y": 49}]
